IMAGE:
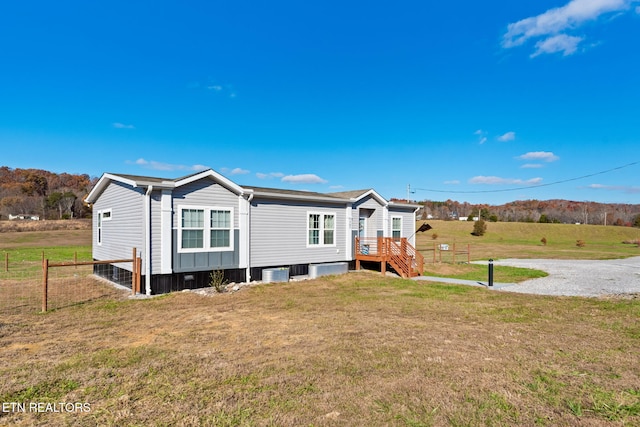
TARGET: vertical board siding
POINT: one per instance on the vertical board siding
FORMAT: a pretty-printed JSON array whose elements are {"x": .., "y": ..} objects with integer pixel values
[
  {"x": 279, "y": 233},
  {"x": 125, "y": 229}
]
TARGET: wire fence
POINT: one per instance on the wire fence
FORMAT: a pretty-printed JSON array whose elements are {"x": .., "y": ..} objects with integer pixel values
[{"x": 28, "y": 286}]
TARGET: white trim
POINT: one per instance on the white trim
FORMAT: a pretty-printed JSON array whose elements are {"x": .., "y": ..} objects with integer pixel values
[
  {"x": 206, "y": 230},
  {"x": 401, "y": 225},
  {"x": 321, "y": 243},
  {"x": 349, "y": 233},
  {"x": 109, "y": 211},
  {"x": 227, "y": 183}
]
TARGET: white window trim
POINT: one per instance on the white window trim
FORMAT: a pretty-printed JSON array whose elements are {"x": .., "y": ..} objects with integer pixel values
[
  {"x": 401, "y": 225},
  {"x": 321, "y": 243},
  {"x": 109, "y": 211},
  {"x": 206, "y": 238},
  {"x": 101, "y": 220}
]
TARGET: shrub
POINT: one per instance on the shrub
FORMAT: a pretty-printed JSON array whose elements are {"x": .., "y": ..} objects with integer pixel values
[
  {"x": 217, "y": 280},
  {"x": 479, "y": 228},
  {"x": 544, "y": 241},
  {"x": 434, "y": 236},
  {"x": 580, "y": 243}
]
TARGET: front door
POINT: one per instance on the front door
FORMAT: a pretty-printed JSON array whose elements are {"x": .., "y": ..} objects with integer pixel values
[{"x": 362, "y": 227}]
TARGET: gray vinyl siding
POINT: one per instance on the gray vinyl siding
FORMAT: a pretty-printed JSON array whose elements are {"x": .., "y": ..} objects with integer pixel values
[
  {"x": 125, "y": 230},
  {"x": 205, "y": 193},
  {"x": 279, "y": 233},
  {"x": 408, "y": 221},
  {"x": 375, "y": 224}
]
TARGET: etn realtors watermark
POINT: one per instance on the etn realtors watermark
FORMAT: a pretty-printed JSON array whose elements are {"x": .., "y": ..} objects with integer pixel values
[{"x": 45, "y": 407}]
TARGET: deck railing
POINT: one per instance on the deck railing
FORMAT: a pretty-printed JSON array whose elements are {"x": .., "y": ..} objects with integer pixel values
[{"x": 402, "y": 256}]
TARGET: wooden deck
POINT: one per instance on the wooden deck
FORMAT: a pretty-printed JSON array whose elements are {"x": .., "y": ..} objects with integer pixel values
[{"x": 398, "y": 253}]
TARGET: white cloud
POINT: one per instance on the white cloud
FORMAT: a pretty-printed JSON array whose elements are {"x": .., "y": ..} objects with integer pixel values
[
  {"x": 239, "y": 171},
  {"x": 560, "y": 43},
  {"x": 622, "y": 188},
  {"x": 495, "y": 180},
  {"x": 306, "y": 178},
  {"x": 270, "y": 175},
  {"x": 509, "y": 136},
  {"x": 152, "y": 164},
  {"x": 531, "y": 166},
  {"x": 546, "y": 156},
  {"x": 552, "y": 27},
  {"x": 123, "y": 126}
]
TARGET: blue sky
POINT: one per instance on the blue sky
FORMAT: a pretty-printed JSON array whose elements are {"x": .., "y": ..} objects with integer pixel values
[{"x": 485, "y": 102}]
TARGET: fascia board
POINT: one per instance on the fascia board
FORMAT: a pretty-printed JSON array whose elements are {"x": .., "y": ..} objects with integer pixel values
[{"x": 282, "y": 196}]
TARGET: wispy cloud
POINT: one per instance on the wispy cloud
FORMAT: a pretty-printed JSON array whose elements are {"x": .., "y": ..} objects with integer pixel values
[
  {"x": 543, "y": 156},
  {"x": 553, "y": 28},
  {"x": 235, "y": 171},
  {"x": 531, "y": 166},
  {"x": 482, "y": 136},
  {"x": 269, "y": 175},
  {"x": 118, "y": 125},
  {"x": 212, "y": 86},
  {"x": 616, "y": 188},
  {"x": 306, "y": 178},
  {"x": 160, "y": 166},
  {"x": 509, "y": 136},
  {"x": 496, "y": 180}
]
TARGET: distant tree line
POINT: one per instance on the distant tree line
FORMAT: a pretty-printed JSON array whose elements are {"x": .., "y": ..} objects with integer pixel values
[
  {"x": 45, "y": 194},
  {"x": 543, "y": 211}
]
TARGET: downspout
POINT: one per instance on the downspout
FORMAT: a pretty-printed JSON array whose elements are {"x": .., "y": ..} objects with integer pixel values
[
  {"x": 248, "y": 242},
  {"x": 147, "y": 246}
]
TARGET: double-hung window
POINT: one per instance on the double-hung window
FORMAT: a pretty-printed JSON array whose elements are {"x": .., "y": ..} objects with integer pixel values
[
  {"x": 321, "y": 229},
  {"x": 192, "y": 222},
  {"x": 220, "y": 228},
  {"x": 204, "y": 229},
  {"x": 396, "y": 227}
]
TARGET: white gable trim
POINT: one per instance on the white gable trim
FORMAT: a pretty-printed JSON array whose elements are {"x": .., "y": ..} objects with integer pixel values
[{"x": 210, "y": 173}]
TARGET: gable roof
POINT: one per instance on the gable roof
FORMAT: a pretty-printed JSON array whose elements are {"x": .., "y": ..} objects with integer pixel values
[
  {"x": 158, "y": 183},
  {"x": 357, "y": 195}
]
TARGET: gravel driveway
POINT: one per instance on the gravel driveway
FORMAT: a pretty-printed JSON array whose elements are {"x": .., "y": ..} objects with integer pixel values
[{"x": 587, "y": 278}]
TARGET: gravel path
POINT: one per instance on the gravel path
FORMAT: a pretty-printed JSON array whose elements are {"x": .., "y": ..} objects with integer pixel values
[{"x": 587, "y": 278}]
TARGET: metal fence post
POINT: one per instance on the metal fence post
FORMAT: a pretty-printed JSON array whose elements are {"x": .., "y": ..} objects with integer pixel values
[{"x": 490, "y": 272}]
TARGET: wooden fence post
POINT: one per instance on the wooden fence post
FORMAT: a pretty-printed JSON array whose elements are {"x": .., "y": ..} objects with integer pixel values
[
  {"x": 45, "y": 283},
  {"x": 134, "y": 272}
]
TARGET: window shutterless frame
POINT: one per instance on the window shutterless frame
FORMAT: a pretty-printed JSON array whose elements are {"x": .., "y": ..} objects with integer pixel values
[{"x": 205, "y": 229}]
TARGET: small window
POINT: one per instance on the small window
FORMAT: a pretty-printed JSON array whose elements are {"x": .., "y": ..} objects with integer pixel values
[
  {"x": 396, "y": 227},
  {"x": 314, "y": 229},
  {"x": 106, "y": 215},
  {"x": 321, "y": 229}
]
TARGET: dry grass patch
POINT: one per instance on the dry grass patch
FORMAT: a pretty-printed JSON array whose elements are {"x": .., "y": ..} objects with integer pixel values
[{"x": 356, "y": 349}]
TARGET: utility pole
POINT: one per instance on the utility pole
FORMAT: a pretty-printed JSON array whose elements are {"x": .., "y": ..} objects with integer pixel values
[{"x": 409, "y": 192}]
